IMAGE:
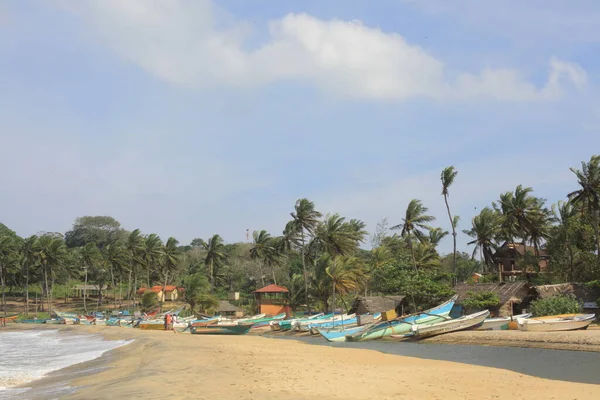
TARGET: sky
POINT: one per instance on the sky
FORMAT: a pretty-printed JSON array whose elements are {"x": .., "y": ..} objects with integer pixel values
[{"x": 189, "y": 118}]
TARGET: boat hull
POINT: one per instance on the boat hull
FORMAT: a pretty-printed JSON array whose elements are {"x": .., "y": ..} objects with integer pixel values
[
  {"x": 402, "y": 326},
  {"x": 463, "y": 323},
  {"x": 220, "y": 329},
  {"x": 500, "y": 324},
  {"x": 556, "y": 323}
]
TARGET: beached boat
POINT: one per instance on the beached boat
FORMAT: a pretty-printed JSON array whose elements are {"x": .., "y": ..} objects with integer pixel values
[
  {"x": 305, "y": 326},
  {"x": 10, "y": 318},
  {"x": 55, "y": 321},
  {"x": 401, "y": 326},
  {"x": 337, "y": 331},
  {"x": 64, "y": 314},
  {"x": 32, "y": 321},
  {"x": 500, "y": 323},
  {"x": 450, "y": 325},
  {"x": 554, "y": 323},
  {"x": 286, "y": 325},
  {"x": 264, "y": 321},
  {"x": 221, "y": 329}
]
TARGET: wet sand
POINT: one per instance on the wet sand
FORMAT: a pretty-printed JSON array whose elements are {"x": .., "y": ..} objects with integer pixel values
[
  {"x": 162, "y": 364},
  {"x": 587, "y": 340}
]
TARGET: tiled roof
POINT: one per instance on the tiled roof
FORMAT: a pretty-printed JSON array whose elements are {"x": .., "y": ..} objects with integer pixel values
[{"x": 272, "y": 288}]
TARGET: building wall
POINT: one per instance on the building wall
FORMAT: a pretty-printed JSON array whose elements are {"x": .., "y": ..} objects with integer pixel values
[{"x": 273, "y": 309}]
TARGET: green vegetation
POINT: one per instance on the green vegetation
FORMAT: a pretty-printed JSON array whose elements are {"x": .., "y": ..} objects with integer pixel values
[
  {"x": 320, "y": 258},
  {"x": 481, "y": 300},
  {"x": 555, "y": 305},
  {"x": 149, "y": 301}
]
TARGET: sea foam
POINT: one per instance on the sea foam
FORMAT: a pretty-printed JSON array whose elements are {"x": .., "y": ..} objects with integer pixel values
[{"x": 26, "y": 356}]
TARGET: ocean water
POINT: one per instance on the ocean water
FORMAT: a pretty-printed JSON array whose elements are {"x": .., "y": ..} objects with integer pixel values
[{"x": 26, "y": 356}]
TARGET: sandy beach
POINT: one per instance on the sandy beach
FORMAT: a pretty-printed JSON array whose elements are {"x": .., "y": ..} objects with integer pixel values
[{"x": 183, "y": 366}]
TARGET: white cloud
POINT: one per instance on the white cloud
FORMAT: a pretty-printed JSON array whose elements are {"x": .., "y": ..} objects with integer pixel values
[{"x": 184, "y": 43}]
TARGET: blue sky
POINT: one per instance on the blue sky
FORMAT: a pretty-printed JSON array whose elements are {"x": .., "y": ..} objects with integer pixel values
[{"x": 188, "y": 118}]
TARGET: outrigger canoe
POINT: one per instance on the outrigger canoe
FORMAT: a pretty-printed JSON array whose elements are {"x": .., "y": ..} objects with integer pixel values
[
  {"x": 221, "y": 329},
  {"x": 401, "y": 326},
  {"x": 451, "y": 325},
  {"x": 500, "y": 323}
]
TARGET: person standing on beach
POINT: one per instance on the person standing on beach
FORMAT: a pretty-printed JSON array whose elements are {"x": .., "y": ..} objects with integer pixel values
[
  {"x": 173, "y": 322},
  {"x": 168, "y": 321}
]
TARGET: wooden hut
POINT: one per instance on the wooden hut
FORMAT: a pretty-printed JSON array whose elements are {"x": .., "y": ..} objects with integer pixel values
[
  {"x": 507, "y": 259},
  {"x": 587, "y": 297},
  {"x": 88, "y": 290},
  {"x": 272, "y": 300},
  {"x": 514, "y": 296},
  {"x": 171, "y": 293},
  {"x": 374, "y": 304},
  {"x": 227, "y": 309}
]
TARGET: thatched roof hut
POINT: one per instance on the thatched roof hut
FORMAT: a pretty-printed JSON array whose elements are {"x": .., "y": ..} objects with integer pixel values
[
  {"x": 514, "y": 296},
  {"x": 588, "y": 297},
  {"x": 226, "y": 308},
  {"x": 374, "y": 304}
]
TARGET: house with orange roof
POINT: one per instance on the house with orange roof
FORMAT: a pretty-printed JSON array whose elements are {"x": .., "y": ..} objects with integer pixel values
[{"x": 170, "y": 293}]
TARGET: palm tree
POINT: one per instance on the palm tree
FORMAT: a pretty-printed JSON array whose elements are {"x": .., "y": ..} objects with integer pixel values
[
  {"x": 435, "y": 236},
  {"x": 520, "y": 210},
  {"x": 305, "y": 219},
  {"x": 426, "y": 257},
  {"x": 484, "y": 230},
  {"x": 448, "y": 175},
  {"x": 8, "y": 257},
  {"x": 30, "y": 258},
  {"x": 215, "y": 257},
  {"x": 115, "y": 255},
  {"x": 565, "y": 214},
  {"x": 347, "y": 274},
  {"x": 153, "y": 253},
  {"x": 52, "y": 254},
  {"x": 588, "y": 197},
  {"x": 264, "y": 250},
  {"x": 90, "y": 256},
  {"x": 415, "y": 221},
  {"x": 171, "y": 260},
  {"x": 135, "y": 248},
  {"x": 338, "y": 237}
]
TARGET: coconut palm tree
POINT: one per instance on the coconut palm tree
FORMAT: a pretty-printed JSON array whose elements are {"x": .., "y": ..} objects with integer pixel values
[
  {"x": 153, "y": 253},
  {"x": 415, "y": 222},
  {"x": 520, "y": 211},
  {"x": 426, "y": 257},
  {"x": 115, "y": 255},
  {"x": 484, "y": 230},
  {"x": 305, "y": 218},
  {"x": 52, "y": 254},
  {"x": 588, "y": 196},
  {"x": 8, "y": 258},
  {"x": 215, "y": 258},
  {"x": 30, "y": 258},
  {"x": 264, "y": 251},
  {"x": 91, "y": 257},
  {"x": 347, "y": 274},
  {"x": 135, "y": 247},
  {"x": 565, "y": 214},
  {"x": 448, "y": 176},
  {"x": 171, "y": 260},
  {"x": 435, "y": 236}
]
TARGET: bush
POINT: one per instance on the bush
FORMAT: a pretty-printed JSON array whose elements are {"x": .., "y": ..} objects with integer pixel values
[
  {"x": 481, "y": 300},
  {"x": 564, "y": 304},
  {"x": 149, "y": 300}
]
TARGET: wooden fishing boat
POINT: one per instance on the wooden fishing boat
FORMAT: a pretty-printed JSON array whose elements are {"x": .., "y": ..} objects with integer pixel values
[
  {"x": 264, "y": 321},
  {"x": 221, "y": 329},
  {"x": 33, "y": 321},
  {"x": 288, "y": 324},
  {"x": 9, "y": 318},
  {"x": 305, "y": 326},
  {"x": 401, "y": 326},
  {"x": 450, "y": 325},
  {"x": 337, "y": 331},
  {"x": 555, "y": 323},
  {"x": 55, "y": 321},
  {"x": 500, "y": 323},
  {"x": 64, "y": 314}
]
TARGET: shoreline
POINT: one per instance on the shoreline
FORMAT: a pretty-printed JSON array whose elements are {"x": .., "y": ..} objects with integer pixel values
[{"x": 251, "y": 366}]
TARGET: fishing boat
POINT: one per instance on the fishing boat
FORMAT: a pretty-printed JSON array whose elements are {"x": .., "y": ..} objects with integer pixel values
[
  {"x": 64, "y": 314},
  {"x": 288, "y": 324},
  {"x": 264, "y": 321},
  {"x": 400, "y": 326},
  {"x": 10, "y": 318},
  {"x": 500, "y": 323},
  {"x": 55, "y": 321},
  {"x": 451, "y": 325},
  {"x": 221, "y": 329},
  {"x": 33, "y": 321},
  {"x": 337, "y": 331},
  {"x": 305, "y": 326},
  {"x": 554, "y": 323}
]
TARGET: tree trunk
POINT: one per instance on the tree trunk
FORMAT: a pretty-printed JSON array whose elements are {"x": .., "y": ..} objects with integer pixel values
[
  {"x": 273, "y": 273},
  {"x": 412, "y": 251},
  {"x": 26, "y": 291},
  {"x": 453, "y": 239},
  {"x": 304, "y": 271},
  {"x": 85, "y": 291},
  {"x": 333, "y": 298},
  {"x": 46, "y": 286},
  {"x": 129, "y": 290},
  {"x": 262, "y": 276},
  {"x": 3, "y": 294}
]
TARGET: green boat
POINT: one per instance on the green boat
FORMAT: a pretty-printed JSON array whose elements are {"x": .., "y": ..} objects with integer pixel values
[
  {"x": 286, "y": 325},
  {"x": 260, "y": 322},
  {"x": 223, "y": 329}
]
